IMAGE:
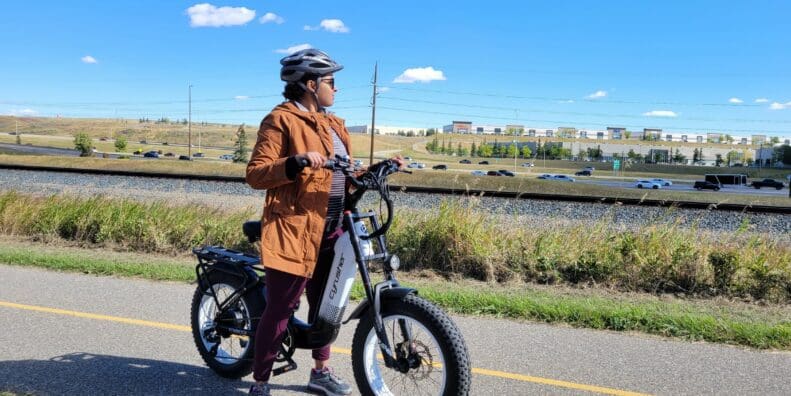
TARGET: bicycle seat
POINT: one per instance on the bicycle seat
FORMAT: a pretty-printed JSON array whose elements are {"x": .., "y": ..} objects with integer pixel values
[{"x": 252, "y": 230}]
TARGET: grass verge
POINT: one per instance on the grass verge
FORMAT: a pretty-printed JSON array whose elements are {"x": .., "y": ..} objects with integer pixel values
[{"x": 745, "y": 325}]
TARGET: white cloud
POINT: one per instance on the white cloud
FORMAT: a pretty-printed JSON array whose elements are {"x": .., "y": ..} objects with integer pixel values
[
  {"x": 761, "y": 100},
  {"x": 271, "y": 17},
  {"x": 88, "y": 59},
  {"x": 382, "y": 89},
  {"x": 735, "y": 100},
  {"x": 597, "y": 95},
  {"x": 241, "y": 97},
  {"x": 291, "y": 50},
  {"x": 780, "y": 106},
  {"x": 330, "y": 25},
  {"x": 420, "y": 74},
  {"x": 660, "y": 113},
  {"x": 207, "y": 15},
  {"x": 567, "y": 101}
]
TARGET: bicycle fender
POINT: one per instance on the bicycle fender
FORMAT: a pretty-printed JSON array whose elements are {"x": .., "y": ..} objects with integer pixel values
[{"x": 389, "y": 294}]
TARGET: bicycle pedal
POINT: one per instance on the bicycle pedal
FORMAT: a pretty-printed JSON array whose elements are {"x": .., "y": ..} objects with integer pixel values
[{"x": 290, "y": 366}]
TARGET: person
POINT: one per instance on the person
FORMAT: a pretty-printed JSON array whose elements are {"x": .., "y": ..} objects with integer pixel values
[{"x": 303, "y": 207}]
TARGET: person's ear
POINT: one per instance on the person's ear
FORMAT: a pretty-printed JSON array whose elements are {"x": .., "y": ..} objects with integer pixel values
[{"x": 311, "y": 86}]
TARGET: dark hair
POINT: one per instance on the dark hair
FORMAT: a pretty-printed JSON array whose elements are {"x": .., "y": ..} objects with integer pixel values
[{"x": 293, "y": 91}]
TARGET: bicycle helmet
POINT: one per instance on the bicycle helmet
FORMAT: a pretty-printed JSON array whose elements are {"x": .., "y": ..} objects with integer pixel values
[{"x": 307, "y": 61}]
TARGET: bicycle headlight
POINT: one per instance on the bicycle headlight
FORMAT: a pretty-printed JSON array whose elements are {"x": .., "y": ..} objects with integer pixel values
[{"x": 393, "y": 262}]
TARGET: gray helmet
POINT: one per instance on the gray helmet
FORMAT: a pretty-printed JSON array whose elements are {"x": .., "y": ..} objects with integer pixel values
[{"x": 307, "y": 61}]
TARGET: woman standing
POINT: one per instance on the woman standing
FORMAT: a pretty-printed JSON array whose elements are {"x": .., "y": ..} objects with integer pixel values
[{"x": 303, "y": 207}]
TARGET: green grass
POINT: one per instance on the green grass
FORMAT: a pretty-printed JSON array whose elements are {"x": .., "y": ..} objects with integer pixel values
[{"x": 748, "y": 326}]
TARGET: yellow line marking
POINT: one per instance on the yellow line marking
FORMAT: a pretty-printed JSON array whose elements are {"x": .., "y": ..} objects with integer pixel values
[{"x": 345, "y": 351}]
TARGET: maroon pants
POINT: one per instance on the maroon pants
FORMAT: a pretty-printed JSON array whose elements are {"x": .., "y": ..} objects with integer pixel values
[{"x": 283, "y": 291}]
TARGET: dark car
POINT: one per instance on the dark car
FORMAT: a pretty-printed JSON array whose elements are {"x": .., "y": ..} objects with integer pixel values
[
  {"x": 583, "y": 172},
  {"x": 483, "y": 163},
  {"x": 440, "y": 167},
  {"x": 493, "y": 173},
  {"x": 771, "y": 183},
  {"x": 465, "y": 161},
  {"x": 184, "y": 158},
  {"x": 506, "y": 172},
  {"x": 706, "y": 185},
  {"x": 151, "y": 154}
]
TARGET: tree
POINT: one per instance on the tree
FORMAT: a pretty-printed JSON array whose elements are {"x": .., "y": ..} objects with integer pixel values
[
  {"x": 431, "y": 147},
  {"x": 627, "y": 134},
  {"x": 240, "y": 154},
  {"x": 18, "y": 138},
  {"x": 461, "y": 151},
  {"x": 732, "y": 156},
  {"x": 679, "y": 158},
  {"x": 485, "y": 150},
  {"x": 442, "y": 149},
  {"x": 120, "y": 144},
  {"x": 526, "y": 152},
  {"x": 511, "y": 151},
  {"x": 695, "y": 156},
  {"x": 83, "y": 144},
  {"x": 718, "y": 161},
  {"x": 783, "y": 154},
  {"x": 774, "y": 140},
  {"x": 473, "y": 150},
  {"x": 581, "y": 155},
  {"x": 430, "y": 131}
]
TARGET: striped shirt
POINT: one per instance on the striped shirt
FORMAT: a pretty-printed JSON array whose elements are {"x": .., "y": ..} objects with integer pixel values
[{"x": 338, "y": 189}]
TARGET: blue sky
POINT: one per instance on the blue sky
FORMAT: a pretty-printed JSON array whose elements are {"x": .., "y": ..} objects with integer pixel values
[{"x": 686, "y": 66}]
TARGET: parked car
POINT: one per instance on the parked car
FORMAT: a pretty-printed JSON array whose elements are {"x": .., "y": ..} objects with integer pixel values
[
  {"x": 440, "y": 167},
  {"x": 483, "y": 163},
  {"x": 527, "y": 164},
  {"x": 757, "y": 184},
  {"x": 706, "y": 185},
  {"x": 478, "y": 173},
  {"x": 648, "y": 184},
  {"x": 545, "y": 176},
  {"x": 562, "y": 178},
  {"x": 505, "y": 172},
  {"x": 465, "y": 161},
  {"x": 226, "y": 157},
  {"x": 151, "y": 154},
  {"x": 662, "y": 182},
  {"x": 583, "y": 172},
  {"x": 493, "y": 173}
]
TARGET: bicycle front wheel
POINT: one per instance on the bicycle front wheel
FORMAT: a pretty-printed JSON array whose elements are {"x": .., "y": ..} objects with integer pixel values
[{"x": 431, "y": 353}]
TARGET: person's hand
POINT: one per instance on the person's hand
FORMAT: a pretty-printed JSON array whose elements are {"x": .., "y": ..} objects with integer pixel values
[
  {"x": 313, "y": 159},
  {"x": 398, "y": 160}
]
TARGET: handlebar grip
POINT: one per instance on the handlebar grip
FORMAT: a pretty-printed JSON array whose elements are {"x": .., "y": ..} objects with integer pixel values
[{"x": 303, "y": 162}]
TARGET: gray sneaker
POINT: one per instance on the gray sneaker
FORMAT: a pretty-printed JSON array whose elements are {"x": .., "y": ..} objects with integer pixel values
[
  {"x": 327, "y": 382},
  {"x": 259, "y": 390}
]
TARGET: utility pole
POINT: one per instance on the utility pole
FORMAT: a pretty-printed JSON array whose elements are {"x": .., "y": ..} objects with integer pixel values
[
  {"x": 189, "y": 125},
  {"x": 373, "y": 116}
]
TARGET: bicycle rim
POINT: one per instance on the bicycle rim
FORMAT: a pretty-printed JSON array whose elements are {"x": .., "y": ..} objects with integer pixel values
[{"x": 230, "y": 349}]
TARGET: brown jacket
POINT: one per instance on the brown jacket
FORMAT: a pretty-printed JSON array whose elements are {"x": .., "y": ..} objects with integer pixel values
[{"x": 294, "y": 210}]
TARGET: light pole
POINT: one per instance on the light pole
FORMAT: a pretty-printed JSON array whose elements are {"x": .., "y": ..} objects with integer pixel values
[
  {"x": 516, "y": 150},
  {"x": 189, "y": 124}
]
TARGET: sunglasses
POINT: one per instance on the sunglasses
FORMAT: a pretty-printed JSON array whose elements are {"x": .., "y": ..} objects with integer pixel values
[{"x": 329, "y": 81}]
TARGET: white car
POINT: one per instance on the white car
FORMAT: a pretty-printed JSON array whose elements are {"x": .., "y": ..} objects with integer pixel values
[
  {"x": 527, "y": 164},
  {"x": 226, "y": 157},
  {"x": 478, "y": 173},
  {"x": 545, "y": 176},
  {"x": 663, "y": 182},
  {"x": 648, "y": 184},
  {"x": 562, "y": 178}
]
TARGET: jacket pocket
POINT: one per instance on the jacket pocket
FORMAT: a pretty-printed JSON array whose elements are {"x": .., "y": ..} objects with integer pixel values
[{"x": 284, "y": 235}]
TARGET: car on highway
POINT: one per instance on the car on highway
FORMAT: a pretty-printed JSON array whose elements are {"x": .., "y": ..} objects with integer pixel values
[
  {"x": 407, "y": 158},
  {"x": 416, "y": 165},
  {"x": 478, "y": 173},
  {"x": 706, "y": 185},
  {"x": 528, "y": 164},
  {"x": 506, "y": 172},
  {"x": 151, "y": 154},
  {"x": 589, "y": 168},
  {"x": 583, "y": 172},
  {"x": 663, "y": 182},
  {"x": 226, "y": 157},
  {"x": 562, "y": 178},
  {"x": 483, "y": 163},
  {"x": 184, "y": 158},
  {"x": 465, "y": 161},
  {"x": 440, "y": 167},
  {"x": 647, "y": 184},
  {"x": 493, "y": 173},
  {"x": 545, "y": 176},
  {"x": 771, "y": 183}
]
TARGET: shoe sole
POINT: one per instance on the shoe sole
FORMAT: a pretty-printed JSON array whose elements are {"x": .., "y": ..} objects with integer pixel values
[{"x": 319, "y": 388}]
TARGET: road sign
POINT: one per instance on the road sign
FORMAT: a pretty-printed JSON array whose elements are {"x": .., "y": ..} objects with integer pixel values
[{"x": 616, "y": 164}]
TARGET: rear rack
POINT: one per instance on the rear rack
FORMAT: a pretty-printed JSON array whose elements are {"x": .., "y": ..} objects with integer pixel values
[{"x": 221, "y": 254}]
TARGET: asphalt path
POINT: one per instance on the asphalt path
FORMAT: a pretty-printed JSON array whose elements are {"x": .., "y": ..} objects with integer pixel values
[{"x": 80, "y": 334}]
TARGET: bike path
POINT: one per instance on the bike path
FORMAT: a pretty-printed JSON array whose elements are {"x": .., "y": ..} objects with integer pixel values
[{"x": 82, "y": 334}]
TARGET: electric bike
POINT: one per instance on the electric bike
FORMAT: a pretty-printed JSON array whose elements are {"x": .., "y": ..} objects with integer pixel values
[{"x": 403, "y": 344}]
